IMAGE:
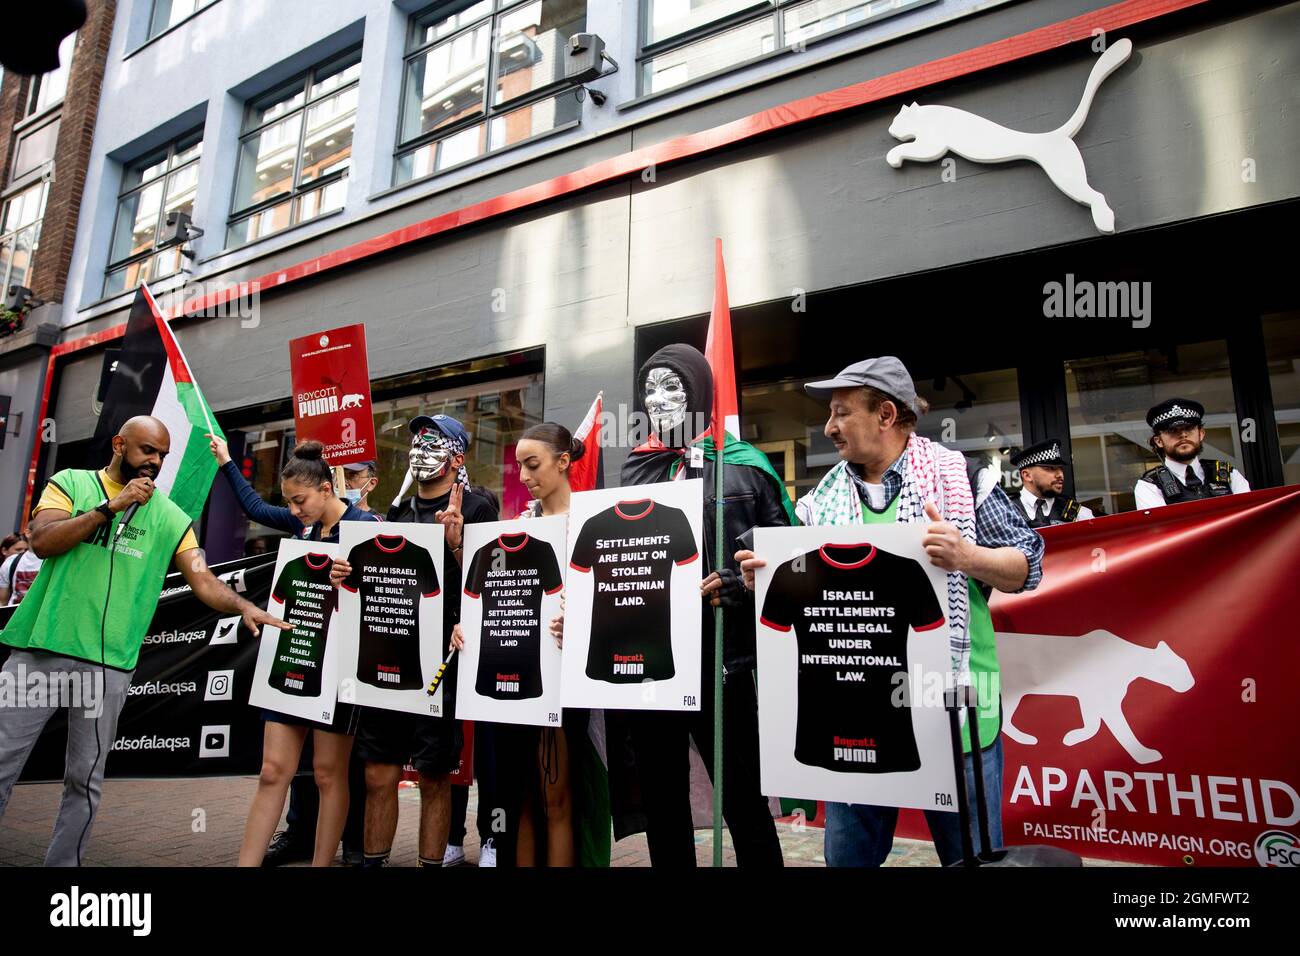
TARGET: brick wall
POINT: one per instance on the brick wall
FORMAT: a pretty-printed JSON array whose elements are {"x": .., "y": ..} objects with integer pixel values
[{"x": 72, "y": 154}]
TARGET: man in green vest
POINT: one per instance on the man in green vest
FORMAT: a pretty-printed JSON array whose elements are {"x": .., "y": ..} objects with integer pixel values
[
  {"x": 888, "y": 473},
  {"x": 87, "y": 613}
]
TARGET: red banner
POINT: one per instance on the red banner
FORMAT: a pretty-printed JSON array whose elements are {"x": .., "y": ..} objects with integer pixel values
[
  {"x": 1148, "y": 712},
  {"x": 331, "y": 393}
]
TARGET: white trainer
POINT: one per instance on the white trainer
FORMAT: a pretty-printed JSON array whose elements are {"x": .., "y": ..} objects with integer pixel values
[
  {"x": 454, "y": 856},
  {"x": 487, "y": 856}
]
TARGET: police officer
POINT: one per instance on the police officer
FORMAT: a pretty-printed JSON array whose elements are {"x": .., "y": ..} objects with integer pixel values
[
  {"x": 1177, "y": 436},
  {"x": 1042, "y": 476}
]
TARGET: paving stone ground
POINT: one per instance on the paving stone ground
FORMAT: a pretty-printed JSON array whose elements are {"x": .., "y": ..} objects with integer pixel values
[{"x": 155, "y": 823}]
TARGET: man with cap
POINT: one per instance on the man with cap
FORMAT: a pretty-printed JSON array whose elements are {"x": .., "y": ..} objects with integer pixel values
[
  {"x": 387, "y": 739},
  {"x": 1042, "y": 478},
  {"x": 1177, "y": 436},
  {"x": 887, "y": 473},
  {"x": 360, "y": 478}
]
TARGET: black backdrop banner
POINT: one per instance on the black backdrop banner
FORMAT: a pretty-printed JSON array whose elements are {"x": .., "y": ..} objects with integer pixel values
[{"x": 187, "y": 711}]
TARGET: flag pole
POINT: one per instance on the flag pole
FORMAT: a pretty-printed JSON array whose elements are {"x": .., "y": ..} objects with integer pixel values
[
  {"x": 719, "y": 338},
  {"x": 719, "y": 464}
]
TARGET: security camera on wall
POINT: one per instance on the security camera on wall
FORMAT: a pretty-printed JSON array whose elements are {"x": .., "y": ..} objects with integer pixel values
[{"x": 587, "y": 57}]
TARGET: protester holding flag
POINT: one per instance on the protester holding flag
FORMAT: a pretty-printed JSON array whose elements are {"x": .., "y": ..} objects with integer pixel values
[
  {"x": 315, "y": 512},
  {"x": 675, "y": 390},
  {"x": 108, "y": 539},
  {"x": 887, "y": 473}
]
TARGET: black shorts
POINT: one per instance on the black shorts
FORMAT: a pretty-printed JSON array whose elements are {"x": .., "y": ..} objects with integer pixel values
[
  {"x": 344, "y": 722},
  {"x": 431, "y": 745}
]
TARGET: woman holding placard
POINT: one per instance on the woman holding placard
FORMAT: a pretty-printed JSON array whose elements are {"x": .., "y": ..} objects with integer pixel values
[
  {"x": 315, "y": 512},
  {"x": 544, "y": 454}
]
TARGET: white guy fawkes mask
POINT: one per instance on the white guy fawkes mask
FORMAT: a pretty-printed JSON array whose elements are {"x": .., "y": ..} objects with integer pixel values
[
  {"x": 428, "y": 461},
  {"x": 665, "y": 399}
]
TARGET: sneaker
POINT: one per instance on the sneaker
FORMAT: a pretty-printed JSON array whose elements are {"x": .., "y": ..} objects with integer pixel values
[
  {"x": 487, "y": 855},
  {"x": 285, "y": 848},
  {"x": 352, "y": 857},
  {"x": 455, "y": 856}
]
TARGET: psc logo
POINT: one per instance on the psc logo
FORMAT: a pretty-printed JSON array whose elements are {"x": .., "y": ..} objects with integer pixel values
[{"x": 1277, "y": 848}]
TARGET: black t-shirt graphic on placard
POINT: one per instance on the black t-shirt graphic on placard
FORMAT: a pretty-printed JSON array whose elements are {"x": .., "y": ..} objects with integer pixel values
[
  {"x": 309, "y": 600},
  {"x": 631, "y": 549},
  {"x": 851, "y": 606},
  {"x": 511, "y": 575},
  {"x": 391, "y": 574}
]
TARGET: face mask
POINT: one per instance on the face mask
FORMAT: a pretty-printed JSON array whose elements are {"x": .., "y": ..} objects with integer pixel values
[
  {"x": 352, "y": 495},
  {"x": 665, "y": 399},
  {"x": 429, "y": 463}
]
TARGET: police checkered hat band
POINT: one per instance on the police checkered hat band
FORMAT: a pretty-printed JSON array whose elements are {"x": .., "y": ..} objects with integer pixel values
[
  {"x": 1044, "y": 453},
  {"x": 1176, "y": 413}
]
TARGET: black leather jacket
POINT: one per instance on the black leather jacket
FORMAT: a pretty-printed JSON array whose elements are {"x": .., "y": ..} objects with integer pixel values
[{"x": 749, "y": 500}]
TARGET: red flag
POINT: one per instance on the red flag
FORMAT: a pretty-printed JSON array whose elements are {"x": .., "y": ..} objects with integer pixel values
[
  {"x": 586, "y": 474},
  {"x": 718, "y": 350}
]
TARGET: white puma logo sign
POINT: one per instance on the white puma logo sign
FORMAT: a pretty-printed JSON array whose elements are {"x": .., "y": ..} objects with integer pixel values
[
  {"x": 935, "y": 130},
  {"x": 135, "y": 376},
  {"x": 1096, "y": 669}
]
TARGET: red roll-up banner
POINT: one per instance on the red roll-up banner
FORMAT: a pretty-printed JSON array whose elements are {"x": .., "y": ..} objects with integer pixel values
[{"x": 1150, "y": 710}]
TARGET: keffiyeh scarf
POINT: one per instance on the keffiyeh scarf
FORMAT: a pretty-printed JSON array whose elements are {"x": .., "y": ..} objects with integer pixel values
[{"x": 930, "y": 473}]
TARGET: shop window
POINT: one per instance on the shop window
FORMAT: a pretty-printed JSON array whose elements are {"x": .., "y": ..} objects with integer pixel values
[
  {"x": 1282, "y": 347},
  {"x": 482, "y": 76},
  {"x": 977, "y": 414},
  {"x": 1108, "y": 397}
]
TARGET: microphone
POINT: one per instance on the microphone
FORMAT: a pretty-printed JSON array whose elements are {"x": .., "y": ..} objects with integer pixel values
[{"x": 127, "y": 515}]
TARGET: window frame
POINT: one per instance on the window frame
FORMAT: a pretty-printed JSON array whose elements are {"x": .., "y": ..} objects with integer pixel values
[
  {"x": 303, "y": 81},
  {"x": 42, "y": 183},
  {"x": 31, "y": 107},
  {"x": 753, "y": 13},
  {"x": 179, "y": 144},
  {"x": 152, "y": 34},
  {"x": 488, "y": 111}
]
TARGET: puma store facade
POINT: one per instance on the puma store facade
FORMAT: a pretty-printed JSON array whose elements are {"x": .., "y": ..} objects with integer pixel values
[{"x": 513, "y": 289}]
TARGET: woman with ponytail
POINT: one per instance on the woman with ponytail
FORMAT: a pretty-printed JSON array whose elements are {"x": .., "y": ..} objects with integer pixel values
[
  {"x": 533, "y": 764},
  {"x": 314, "y": 513}
]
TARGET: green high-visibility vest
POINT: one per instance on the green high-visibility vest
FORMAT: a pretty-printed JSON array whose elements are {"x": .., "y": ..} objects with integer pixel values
[
  {"x": 63, "y": 611},
  {"x": 983, "y": 648}
]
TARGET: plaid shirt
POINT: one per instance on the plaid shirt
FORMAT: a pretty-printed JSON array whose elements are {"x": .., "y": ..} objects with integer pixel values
[{"x": 998, "y": 523}]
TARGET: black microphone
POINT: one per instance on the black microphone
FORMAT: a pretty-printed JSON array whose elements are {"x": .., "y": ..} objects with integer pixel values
[{"x": 127, "y": 515}]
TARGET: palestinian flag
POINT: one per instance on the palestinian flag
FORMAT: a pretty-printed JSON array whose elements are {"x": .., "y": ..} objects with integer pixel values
[{"x": 151, "y": 377}]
